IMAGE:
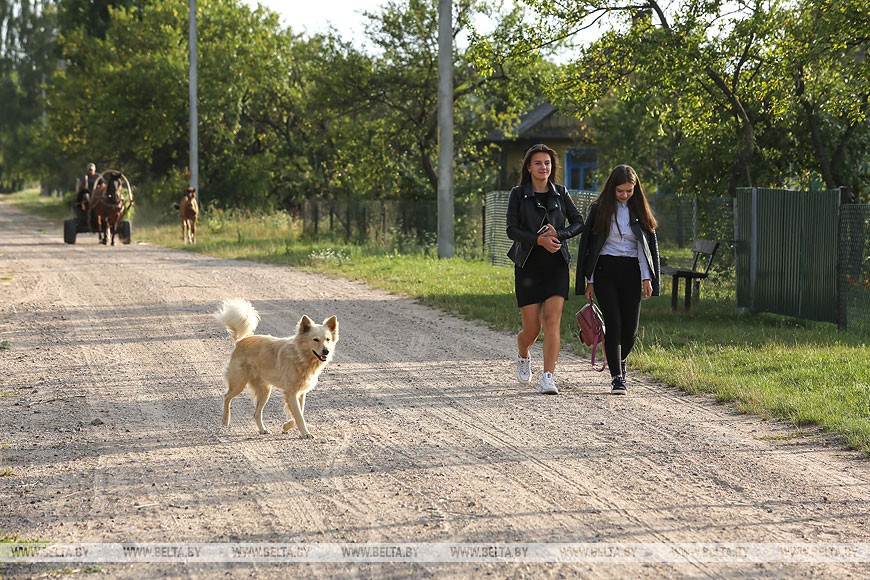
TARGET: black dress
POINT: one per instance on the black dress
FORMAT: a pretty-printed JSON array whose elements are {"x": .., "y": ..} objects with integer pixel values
[{"x": 545, "y": 274}]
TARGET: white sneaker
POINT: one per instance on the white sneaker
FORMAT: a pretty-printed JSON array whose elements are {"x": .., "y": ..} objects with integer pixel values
[
  {"x": 548, "y": 385},
  {"x": 524, "y": 369}
]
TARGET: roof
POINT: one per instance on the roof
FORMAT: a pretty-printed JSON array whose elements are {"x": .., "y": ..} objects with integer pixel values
[
  {"x": 533, "y": 118},
  {"x": 532, "y": 126}
]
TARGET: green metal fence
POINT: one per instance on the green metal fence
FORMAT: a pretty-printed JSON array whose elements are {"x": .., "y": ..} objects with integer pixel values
[{"x": 787, "y": 252}]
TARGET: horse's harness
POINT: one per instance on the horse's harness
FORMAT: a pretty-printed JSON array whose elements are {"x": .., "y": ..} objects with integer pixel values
[{"x": 110, "y": 200}]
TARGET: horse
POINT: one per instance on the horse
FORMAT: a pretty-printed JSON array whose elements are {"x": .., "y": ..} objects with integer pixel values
[
  {"x": 107, "y": 204},
  {"x": 189, "y": 210}
]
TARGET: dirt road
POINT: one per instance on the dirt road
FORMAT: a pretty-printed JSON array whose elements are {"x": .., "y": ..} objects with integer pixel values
[{"x": 110, "y": 402}]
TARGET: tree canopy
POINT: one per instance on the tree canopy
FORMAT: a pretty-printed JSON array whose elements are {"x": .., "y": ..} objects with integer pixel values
[
  {"x": 702, "y": 97},
  {"x": 720, "y": 94}
]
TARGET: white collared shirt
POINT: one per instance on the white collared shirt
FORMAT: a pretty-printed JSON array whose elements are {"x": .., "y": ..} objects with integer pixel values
[{"x": 621, "y": 241}]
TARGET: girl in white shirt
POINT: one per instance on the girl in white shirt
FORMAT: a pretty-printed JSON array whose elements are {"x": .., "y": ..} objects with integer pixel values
[{"x": 618, "y": 264}]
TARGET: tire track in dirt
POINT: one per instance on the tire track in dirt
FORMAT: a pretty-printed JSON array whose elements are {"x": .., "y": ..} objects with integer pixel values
[
  {"x": 455, "y": 417},
  {"x": 256, "y": 459}
]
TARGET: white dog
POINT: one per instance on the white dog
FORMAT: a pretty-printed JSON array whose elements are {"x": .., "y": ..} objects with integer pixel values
[{"x": 261, "y": 362}]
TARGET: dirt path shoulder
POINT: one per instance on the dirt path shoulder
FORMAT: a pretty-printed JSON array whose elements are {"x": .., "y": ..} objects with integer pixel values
[{"x": 110, "y": 401}]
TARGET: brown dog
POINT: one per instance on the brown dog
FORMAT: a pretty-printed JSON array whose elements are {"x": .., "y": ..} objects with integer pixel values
[
  {"x": 261, "y": 362},
  {"x": 189, "y": 210}
]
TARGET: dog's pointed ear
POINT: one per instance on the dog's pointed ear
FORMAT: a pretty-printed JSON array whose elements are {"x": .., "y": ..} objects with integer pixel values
[
  {"x": 304, "y": 325},
  {"x": 332, "y": 324}
]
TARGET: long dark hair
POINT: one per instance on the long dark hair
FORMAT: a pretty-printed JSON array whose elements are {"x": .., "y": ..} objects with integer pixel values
[
  {"x": 607, "y": 203},
  {"x": 525, "y": 176}
]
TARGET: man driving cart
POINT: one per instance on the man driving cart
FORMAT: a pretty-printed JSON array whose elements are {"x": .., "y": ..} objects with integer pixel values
[{"x": 85, "y": 190}]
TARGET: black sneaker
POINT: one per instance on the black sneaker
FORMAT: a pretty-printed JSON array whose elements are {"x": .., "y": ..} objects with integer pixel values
[{"x": 617, "y": 386}]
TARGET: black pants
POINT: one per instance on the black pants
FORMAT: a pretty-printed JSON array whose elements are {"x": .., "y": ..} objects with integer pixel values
[{"x": 617, "y": 289}]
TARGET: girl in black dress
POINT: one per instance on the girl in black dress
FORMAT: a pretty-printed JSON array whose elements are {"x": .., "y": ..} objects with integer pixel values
[{"x": 536, "y": 221}]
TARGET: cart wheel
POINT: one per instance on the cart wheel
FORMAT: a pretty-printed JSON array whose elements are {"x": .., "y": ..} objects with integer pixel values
[
  {"x": 69, "y": 230},
  {"x": 125, "y": 231}
]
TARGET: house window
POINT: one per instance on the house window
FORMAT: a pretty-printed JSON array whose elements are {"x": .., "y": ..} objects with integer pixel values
[{"x": 580, "y": 165}]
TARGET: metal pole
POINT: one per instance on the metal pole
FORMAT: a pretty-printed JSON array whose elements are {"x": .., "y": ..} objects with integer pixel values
[
  {"x": 753, "y": 247},
  {"x": 445, "y": 129},
  {"x": 842, "y": 267},
  {"x": 194, "y": 134},
  {"x": 738, "y": 274},
  {"x": 44, "y": 184}
]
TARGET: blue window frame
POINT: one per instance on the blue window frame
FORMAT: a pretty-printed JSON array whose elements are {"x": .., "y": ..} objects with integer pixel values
[{"x": 580, "y": 166}]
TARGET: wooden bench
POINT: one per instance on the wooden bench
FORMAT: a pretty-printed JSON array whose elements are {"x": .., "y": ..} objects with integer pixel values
[{"x": 693, "y": 276}]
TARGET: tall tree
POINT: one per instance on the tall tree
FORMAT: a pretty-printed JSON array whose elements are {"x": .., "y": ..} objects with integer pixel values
[
  {"x": 823, "y": 53},
  {"x": 756, "y": 75},
  {"x": 712, "y": 64},
  {"x": 93, "y": 16},
  {"x": 122, "y": 101},
  {"x": 390, "y": 96},
  {"x": 27, "y": 58},
  {"x": 282, "y": 118}
]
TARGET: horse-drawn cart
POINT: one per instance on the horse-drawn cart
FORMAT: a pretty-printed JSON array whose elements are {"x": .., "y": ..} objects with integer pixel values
[{"x": 105, "y": 211}]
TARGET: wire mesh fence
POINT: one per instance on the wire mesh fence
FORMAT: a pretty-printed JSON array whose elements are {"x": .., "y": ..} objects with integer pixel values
[
  {"x": 854, "y": 267},
  {"x": 405, "y": 226},
  {"x": 496, "y": 242},
  {"x": 684, "y": 218},
  {"x": 480, "y": 224},
  {"x": 371, "y": 221},
  {"x": 410, "y": 225},
  {"x": 681, "y": 219}
]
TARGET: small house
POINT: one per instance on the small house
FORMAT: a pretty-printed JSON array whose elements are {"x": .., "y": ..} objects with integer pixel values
[{"x": 567, "y": 135}]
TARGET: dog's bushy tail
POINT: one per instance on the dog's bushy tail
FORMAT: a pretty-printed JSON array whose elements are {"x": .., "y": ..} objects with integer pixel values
[{"x": 239, "y": 316}]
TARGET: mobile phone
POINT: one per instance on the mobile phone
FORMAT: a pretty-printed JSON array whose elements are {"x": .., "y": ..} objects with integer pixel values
[{"x": 542, "y": 230}]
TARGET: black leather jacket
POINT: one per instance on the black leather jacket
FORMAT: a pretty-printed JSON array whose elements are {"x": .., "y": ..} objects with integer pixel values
[
  {"x": 526, "y": 215},
  {"x": 591, "y": 244}
]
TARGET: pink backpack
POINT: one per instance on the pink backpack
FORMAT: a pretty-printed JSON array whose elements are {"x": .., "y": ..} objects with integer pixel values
[{"x": 592, "y": 330}]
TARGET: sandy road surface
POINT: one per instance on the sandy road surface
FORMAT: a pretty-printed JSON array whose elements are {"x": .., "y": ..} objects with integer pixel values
[{"x": 110, "y": 401}]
